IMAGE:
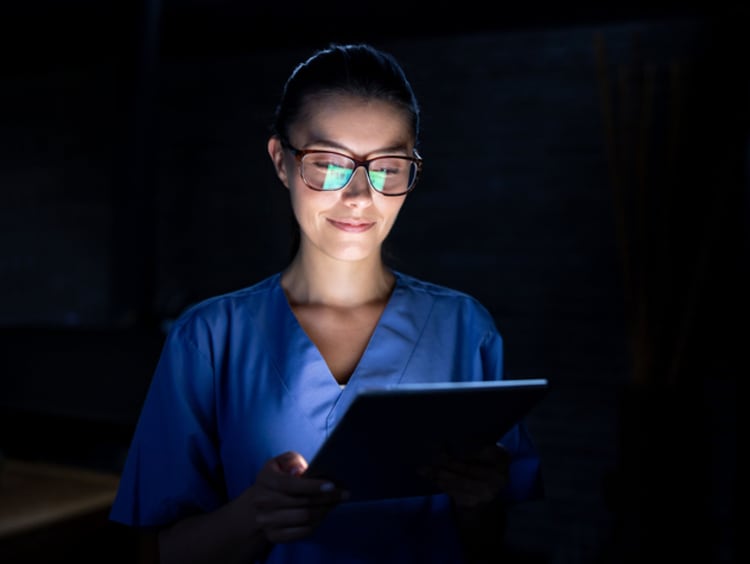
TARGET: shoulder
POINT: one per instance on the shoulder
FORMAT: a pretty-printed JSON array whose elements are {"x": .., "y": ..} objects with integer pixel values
[
  {"x": 436, "y": 291},
  {"x": 446, "y": 300},
  {"x": 222, "y": 311}
]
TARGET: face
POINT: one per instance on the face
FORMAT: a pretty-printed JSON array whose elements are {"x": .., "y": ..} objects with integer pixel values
[{"x": 349, "y": 224}]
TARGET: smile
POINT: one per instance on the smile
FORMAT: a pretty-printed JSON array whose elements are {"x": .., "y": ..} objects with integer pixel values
[{"x": 351, "y": 226}]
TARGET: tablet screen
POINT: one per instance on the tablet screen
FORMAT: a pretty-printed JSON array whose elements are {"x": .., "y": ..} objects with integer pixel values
[{"x": 388, "y": 433}]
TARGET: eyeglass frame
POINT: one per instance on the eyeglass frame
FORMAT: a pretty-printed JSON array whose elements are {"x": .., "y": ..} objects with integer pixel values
[{"x": 299, "y": 154}]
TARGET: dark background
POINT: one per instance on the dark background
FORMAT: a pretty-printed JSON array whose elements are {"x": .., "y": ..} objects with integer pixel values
[{"x": 585, "y": 178}]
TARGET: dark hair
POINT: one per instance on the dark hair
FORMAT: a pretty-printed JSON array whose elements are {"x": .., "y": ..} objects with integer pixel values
[{"x": 357, "y": 69}]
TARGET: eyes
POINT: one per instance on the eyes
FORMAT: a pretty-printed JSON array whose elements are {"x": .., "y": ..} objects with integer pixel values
[
  {"x": 336, "y": 170},
  {"x": 390, "y": 175}
]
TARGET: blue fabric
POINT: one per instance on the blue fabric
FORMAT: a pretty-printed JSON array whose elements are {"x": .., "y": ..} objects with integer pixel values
[{"x": 239, "y": 382}]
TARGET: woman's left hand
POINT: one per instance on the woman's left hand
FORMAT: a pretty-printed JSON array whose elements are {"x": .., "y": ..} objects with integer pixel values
[{"x": 473, "y": 479}]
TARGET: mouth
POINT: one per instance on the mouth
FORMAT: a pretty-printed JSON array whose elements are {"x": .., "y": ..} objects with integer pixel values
[{"x": 351, "y": 225}]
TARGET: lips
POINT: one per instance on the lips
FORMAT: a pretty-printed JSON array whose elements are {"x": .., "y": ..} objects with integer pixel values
[{"x": 351, "y": 225}]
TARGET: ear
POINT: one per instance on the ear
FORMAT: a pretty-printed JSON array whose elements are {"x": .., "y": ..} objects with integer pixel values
[{"x": 276, "y": 152}]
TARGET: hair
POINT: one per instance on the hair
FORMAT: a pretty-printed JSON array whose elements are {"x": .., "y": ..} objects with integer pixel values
[{"x": 355, "y": 69}]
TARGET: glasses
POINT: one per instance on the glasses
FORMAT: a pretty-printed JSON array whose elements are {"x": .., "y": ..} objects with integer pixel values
[{"x": 325, "y": 171}]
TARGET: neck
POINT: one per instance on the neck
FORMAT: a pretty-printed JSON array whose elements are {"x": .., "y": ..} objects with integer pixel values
[{"x": 332, "y": 282}]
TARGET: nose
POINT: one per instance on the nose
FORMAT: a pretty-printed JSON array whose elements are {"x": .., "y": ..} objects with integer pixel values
[{"x": 358, "y": 191}]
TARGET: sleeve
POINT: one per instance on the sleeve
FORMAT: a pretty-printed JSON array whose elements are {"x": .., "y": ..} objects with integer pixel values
[
  {"x": 172, "y": 467},
  {"x": 525, "y": 483}
]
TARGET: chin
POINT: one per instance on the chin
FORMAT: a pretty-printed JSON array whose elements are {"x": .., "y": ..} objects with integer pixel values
[{"x": 355, "y": 254}]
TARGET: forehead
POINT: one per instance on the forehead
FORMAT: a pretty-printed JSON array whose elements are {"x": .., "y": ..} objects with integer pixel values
[{"x": 353, "y": 121}]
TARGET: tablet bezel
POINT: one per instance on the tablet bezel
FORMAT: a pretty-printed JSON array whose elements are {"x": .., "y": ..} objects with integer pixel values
[{"x": 387, "y": 433}]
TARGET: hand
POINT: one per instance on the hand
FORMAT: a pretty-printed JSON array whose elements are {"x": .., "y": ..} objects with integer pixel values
[
  {"x": 286, "y": 505},
  {"x": 473, "y": 479}
]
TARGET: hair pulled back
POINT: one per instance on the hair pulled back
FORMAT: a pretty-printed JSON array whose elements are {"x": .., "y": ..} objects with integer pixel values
[{"x": 356, "y": 69}]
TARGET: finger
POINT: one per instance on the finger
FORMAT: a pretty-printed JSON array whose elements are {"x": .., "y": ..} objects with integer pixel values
[
  {"x": 455, "y": 470},
  {"x": 468, "y": 483},
  {"x": 284, "y": 474},
  {"x": 291, "y": 462},
  {"x": 468, "y": 489},
  {"x": 489, "y": 455},
  {"x": 275, "y": 490},
  {"x": 472, "y": 470},
  {"x": 266, "y": 499},
  {"x": 290, "y": 524},
  {"x": 291, "y": 517},
  {"x": 504, "y": 452},
  {"x": 467, "y": 494}
]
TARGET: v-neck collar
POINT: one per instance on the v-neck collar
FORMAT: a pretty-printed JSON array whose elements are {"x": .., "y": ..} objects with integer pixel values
[{"x": 305, "y": 373}]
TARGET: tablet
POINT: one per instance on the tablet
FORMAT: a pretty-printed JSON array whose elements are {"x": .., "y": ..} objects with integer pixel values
[{"x": 386, "y": 434}]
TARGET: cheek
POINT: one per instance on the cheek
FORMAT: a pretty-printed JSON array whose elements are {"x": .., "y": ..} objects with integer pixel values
[
  {"x": 392, "y": 209},
  {"x": 306, "y": 203},
  {"x": 298, "y": 204}
]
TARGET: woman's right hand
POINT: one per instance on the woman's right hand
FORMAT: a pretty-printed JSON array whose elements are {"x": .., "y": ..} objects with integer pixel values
[{"x": 286, "y": 505}]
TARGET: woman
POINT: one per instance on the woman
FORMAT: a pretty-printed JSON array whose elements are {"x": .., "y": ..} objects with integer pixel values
[{"x": 250, "y": 383}]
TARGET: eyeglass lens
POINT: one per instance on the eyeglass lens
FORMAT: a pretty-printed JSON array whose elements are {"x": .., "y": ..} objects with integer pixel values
[{"x": 330, "y": 171}]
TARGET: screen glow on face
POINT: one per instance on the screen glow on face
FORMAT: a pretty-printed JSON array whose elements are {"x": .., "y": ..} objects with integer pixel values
[
  {"x": 378, "y": 178},
  {"x": 336, "y": 177},
  {"x": 329, "y": 171}
]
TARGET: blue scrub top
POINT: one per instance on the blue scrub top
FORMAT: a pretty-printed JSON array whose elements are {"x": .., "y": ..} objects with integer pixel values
[{"x": 239, "y": 382}]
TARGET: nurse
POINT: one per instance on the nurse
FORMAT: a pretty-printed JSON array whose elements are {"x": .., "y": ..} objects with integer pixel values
[{"x": 250, "y": 383}]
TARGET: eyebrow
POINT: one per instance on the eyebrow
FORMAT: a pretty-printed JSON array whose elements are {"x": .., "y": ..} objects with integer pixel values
[{"x": 399, "y": 148}]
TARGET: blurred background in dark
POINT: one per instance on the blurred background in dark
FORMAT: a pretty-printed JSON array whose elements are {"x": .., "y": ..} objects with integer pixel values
[{"x": 585, "y": 178}]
